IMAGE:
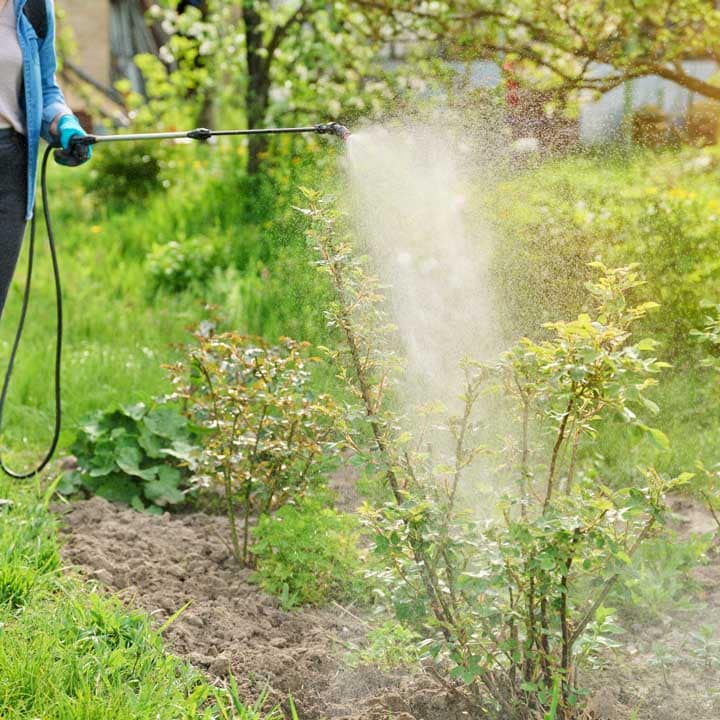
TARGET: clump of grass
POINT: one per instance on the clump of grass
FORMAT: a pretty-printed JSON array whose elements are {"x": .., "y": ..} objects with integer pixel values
[{"x": 66, "y": 653}]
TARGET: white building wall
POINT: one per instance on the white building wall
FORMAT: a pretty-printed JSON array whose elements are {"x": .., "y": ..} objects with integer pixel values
[{"x": 602, "y": 119}]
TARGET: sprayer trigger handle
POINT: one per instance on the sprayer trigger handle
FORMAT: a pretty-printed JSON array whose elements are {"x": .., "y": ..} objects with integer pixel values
[{"x": 77, "y": 153}]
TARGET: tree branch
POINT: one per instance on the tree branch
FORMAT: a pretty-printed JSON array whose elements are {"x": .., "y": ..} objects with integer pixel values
[{"x": 281, "y": 31}]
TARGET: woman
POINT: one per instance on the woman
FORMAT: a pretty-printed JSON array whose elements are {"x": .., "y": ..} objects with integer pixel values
[{"x": 31, "y": 106}]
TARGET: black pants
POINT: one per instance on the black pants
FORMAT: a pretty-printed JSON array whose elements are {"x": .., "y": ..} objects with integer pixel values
[{"x": 13, "y": 202}]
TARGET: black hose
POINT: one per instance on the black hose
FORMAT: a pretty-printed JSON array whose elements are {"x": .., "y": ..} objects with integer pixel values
[
  {"x": 21, "y": 327},
  {"x": 331, "y": 128}
]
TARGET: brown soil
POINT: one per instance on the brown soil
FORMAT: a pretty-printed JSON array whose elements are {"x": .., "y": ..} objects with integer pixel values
[{"x": 161, "y": 563}]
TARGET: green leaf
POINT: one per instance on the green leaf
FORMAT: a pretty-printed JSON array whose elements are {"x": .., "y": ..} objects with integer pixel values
[
  {"x": 117, "y": 488},
  {"x": 102, "y": 462},
  {"x": 93, "y": 426},
  {"x": 182, "y": 450},
  {"x": 136, "y": 412},
  {"x": 70, "y": 482},
  {"x": 658, "y": 437},
  {"x": 166, "y": 422},
  {"x": 165, "y": 490},
  {"x": 647, "y": 345},
  {"x": 128, "y": 460}
]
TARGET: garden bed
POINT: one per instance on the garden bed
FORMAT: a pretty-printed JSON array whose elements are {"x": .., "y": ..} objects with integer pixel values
[{"x": 162, "y": 563}]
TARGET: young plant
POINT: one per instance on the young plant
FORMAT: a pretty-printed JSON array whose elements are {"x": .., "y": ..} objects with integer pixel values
[
  {"x": 137, "y": 455},
  {"x": 708, "y": 480},
  {"x": 706, "y": 647},
  {"x": 508, "y": 608},
  {"x": 307, "y": 554},
  {"x": 269, "y": 436},
  {"x": 389, "y": 646},
  {"x": 709, "y": 337}
]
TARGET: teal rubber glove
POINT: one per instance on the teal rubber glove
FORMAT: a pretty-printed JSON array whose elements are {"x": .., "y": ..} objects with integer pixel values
[{"x": 68, "y": 127}]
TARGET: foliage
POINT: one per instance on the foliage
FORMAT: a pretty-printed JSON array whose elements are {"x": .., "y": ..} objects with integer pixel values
[
  {"x": 137, "y": 455},
  {"x": 707, "y": 647},
  {"x": 307, "y": 554},
  {"x": 278, "y": 63},
  {"x": 269, "y": 436},
  {"x": 563, "y": 44},
  {"x": 707, "y": 484},
  {"x": 389, "y": 646},
  {"x": 232, "y": 707},
  {"x": 125, "y": 174},
  {"x": 68, "y": 652},
  {"x": 709, "y": 337},
  {"x": 660, "y": 212},
  {"x": 703, "y": 123},
  {"x": 650, "y": 126},
  {"x": 186, "y": 262},
  {"x": 509, "y": 607},
  {"x": 659, "y": 580}
]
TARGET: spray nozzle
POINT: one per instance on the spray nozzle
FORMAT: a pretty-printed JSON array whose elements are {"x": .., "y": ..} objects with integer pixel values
[{"x": 333, "y": 129}]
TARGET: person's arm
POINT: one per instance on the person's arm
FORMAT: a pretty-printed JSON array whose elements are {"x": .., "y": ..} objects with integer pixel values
[
  {"x": 54, "y": 106},
  {"x": 58, "y": 121}
]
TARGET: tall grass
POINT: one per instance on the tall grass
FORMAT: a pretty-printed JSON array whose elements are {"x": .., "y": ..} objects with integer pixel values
[{"x": 119, "y": 326}]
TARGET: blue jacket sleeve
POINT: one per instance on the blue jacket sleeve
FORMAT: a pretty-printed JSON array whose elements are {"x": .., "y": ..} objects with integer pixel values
[{"x": 53, "y": 99}]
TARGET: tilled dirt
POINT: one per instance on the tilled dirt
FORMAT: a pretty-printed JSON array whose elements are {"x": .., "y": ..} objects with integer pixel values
[{"x": 162, "y": 563}]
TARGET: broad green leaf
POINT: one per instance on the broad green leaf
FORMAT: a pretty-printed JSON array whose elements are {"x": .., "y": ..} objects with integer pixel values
[
  {"x": 117, "y": 488},
  {"x": 658, "y": 437},
  {"x": 135, "y": 412},
  {"x": 165, "y": 490},
  {"x": 166, "y": 422}
]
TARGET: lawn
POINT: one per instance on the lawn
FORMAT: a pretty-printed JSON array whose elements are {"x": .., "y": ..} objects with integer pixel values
[{"x": 204, "y": 243}]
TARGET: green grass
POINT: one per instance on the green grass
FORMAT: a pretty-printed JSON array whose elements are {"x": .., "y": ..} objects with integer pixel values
[
  {"x": 120, "y": 330},
  {"x": 68, "y": 652},
  {"x": 659, "y": 210}
]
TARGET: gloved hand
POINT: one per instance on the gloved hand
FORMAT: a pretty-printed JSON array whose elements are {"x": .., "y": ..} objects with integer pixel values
[{"x": 68, "y": 127}]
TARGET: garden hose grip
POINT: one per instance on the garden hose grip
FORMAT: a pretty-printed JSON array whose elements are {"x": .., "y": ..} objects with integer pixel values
[{"x": 77, "y": 153}]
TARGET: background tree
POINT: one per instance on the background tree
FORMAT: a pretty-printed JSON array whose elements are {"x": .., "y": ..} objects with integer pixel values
[
  {"x": 567, "y": 40},
  {"x": 279, "y": 62}
]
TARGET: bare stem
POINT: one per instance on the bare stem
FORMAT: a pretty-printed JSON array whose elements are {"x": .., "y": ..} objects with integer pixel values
[
  {"x": 556, "y": 449},
  {"x": 227, "y": 475}
]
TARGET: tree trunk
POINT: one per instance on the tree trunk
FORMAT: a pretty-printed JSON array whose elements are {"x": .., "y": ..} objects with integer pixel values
[{"x": 256, "y": 101}]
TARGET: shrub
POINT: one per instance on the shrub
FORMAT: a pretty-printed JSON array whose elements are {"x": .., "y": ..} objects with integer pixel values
[
  {"x": 135, "y": 455},
  {"x": 702, "y": 122},
  {"x": 186, "y": 262},
  {"x": 269, "y": 436},
  {"x": 511, "y": 606},
  {"x": 659, "y": 582},
  {"x": 709, "y": 337},
  {"x": 389, "y": 646},
  {"x": 307, "y": 554},
  {"x": 120, "y": 174},
  {"x": 707, "y": 481}
]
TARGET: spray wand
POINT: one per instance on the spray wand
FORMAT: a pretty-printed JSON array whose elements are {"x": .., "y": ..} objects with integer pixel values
[{"x": 77, "y": 153}]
